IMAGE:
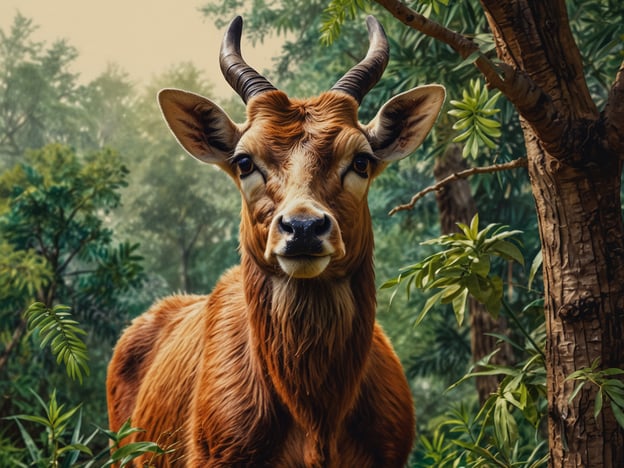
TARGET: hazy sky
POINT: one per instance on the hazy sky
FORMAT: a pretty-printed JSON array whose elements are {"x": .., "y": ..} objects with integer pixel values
[{"x": 145, "y": 37}]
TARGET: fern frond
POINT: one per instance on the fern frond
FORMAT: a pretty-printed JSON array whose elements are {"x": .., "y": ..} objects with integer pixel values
[
  {"x": 334, "y": 17},
  {"x": 56, "y": 328}
]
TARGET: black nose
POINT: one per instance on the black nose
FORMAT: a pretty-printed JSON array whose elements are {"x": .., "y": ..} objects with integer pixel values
[{"x": 304, "y": 234}]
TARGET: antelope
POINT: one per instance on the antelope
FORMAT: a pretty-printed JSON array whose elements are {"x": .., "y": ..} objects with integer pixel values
[{"x": 283, "y": 364}]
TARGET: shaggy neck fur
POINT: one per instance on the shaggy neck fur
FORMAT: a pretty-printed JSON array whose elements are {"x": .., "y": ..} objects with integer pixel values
[{"x": 313, "y": 338}]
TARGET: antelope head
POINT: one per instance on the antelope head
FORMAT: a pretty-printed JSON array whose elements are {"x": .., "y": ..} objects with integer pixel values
[{"x": 303, "y": 166}]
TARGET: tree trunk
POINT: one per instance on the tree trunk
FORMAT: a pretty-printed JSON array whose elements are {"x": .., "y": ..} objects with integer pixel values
[
  {"x": 456, "y": 205},
  {"x": 575, "y": 167},
  {"x": 583, "y": 250},
  {"x": 185, "y": 266}
]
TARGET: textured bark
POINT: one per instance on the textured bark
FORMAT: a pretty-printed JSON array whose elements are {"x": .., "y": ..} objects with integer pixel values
[
  {"x": 575, "y": 178},
  {"x": 581, "y": 231},
  {"x": 574, "y": 155},
  {"x": 455, "y": 201},
  {"x": 456, "y": 204}
]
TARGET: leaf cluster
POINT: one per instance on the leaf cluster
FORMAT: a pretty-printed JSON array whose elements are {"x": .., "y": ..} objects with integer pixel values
[
  {"x": 56, "y": 451},
  {"x": 474, "y": 113},
  {"x": 38, "y": 91},
  {"x": 123, "y": 455},
  {"x": 22, "y": 273},
  {"x": 608, "y": 386},
  {"x": 56, "y": 327},
  {"x": 54, "y": 209},
  {"x": 463, "y": 268},
  {"x": 63, "y": 445},
  {"x": 334, "y": 16},
  {"x": 462, "y": 441},
  {"x": 496, "y": 434}
]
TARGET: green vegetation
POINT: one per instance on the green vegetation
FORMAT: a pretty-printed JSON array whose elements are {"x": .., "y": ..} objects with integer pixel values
[{"x": 101, "y": 212}]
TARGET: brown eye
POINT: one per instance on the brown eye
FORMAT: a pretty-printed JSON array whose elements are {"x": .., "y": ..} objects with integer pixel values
[
  {"x": 361, "y": 165},
  {"x": 245, "y": 166}
]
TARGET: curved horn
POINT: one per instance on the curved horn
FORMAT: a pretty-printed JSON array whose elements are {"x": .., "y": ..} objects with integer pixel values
[
  {"x": 246, "y": 81},
  {"x": 362, "y": 77}
]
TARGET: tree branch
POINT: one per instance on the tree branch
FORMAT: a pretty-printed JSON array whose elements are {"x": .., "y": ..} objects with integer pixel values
[
  {"x": 520, "y": 162},
  {"x": 15, "y": 339},
  {"x": 529, "y": 99}
]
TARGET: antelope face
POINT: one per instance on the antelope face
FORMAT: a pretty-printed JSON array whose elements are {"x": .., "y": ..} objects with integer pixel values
[{"x": 303, "y": 167}]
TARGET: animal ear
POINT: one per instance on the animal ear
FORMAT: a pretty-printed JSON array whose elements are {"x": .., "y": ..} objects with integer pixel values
[
  {"x": 404, "y": 121},
  {"x": 202, "y": 128}
]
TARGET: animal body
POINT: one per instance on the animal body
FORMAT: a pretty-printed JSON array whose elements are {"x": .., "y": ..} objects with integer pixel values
[{"x": 283, "y": 364}]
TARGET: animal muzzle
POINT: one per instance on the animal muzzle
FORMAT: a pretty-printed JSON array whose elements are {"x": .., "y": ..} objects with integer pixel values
[
  {"x": 304, "y": 235},
  {"x": 303, "y": 241}
]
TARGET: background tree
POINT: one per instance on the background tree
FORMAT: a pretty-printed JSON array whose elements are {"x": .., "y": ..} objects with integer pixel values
[
  {"x": 107, "y": 107},
  {"x": 37, "y": 92},
  {"x": 66, "y": 237},
  {"x": 184, "y": 214},
  {"x": 59, "y": 250}
]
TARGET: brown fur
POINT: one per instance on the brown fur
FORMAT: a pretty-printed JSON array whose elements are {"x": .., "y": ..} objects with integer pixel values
[{"x": 272, "y": 369}]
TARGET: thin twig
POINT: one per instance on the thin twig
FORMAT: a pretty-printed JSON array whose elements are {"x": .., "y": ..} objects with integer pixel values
[{"x": 520, "y": 162}]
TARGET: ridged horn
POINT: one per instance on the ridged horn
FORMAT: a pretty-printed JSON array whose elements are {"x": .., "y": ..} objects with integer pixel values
[
  {"x": 246, "y": 81},
  {"x": 362, "y": 77}
]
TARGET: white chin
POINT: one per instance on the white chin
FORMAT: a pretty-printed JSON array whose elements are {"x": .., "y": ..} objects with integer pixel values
[{"x": 303, "y": 267}]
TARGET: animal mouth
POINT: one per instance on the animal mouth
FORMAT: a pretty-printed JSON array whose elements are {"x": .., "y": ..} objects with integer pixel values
[{"x": 303, "y": 266}]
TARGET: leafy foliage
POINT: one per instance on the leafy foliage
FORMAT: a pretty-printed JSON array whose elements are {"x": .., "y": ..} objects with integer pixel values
[
  {"x": 22, "y": 273},
  {"x": 523, "y": 388},
  {"x": 474, "y": 114},
  {"x": 433, "y": 6},
  {"x": 37, "y": 91},
  {"x": 55, "y": 327},
  {"x": 55, "y": 209},
  {"x": 334, "y": 16},
  {"x": 608, "y": 386},
  {"x": 123, "y": 455},
  {"x": 496, "y": 434},
  {"x": 56, "y": 451},
  {"x": 463, "y": 268},
  {"x": 465, "y": 440},
  {"x": 597, "y": 28},
  {"x": 64, "y": 442},
  {"x": 54, "y": 206}
]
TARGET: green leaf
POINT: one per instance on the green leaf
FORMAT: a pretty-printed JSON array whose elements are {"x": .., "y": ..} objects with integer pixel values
[
  {"x": 129, "y": 452},
  {"x": 31, "y": 447},
  {"x": 616, "y": 395},
  {"x": 474, "y": 226},
  {"x": 481, "y": 266},
  {"x": 78, "y": 447},
  {"x": 431, "y": 301},
  {"x": 505, "y": 425},
  {"x": 34, "y": 418},
  {"x": 535, "y": 266},
  {"x": 459, "y": 306},
  {"x": 619, "y": 414},
  {"x": 576, "y": 390},
  {"x": 57, "y": 328},
  {"x": 598, "y": 403},
  {"x": 508, "y": 251}
]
